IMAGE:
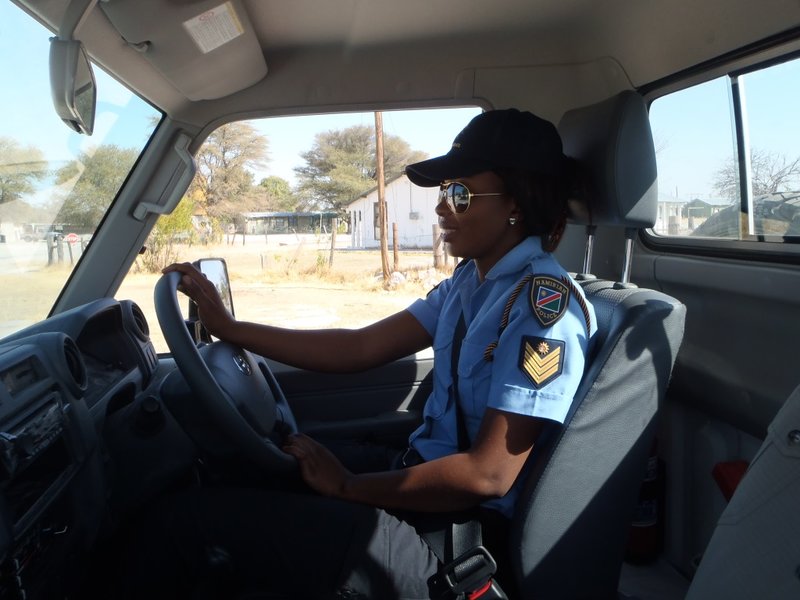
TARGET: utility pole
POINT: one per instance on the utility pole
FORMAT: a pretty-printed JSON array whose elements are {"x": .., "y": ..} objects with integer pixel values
[
  {"x": 382, "y": 212},
  {"x": 334, "y": 227}
]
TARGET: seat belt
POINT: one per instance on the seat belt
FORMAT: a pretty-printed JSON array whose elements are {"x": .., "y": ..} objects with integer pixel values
[
  {"x": 467, "y": 566},
  {"x": 455, "y": 355}
]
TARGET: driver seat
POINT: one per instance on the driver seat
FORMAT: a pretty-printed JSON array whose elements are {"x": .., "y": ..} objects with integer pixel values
[{"x": 567, "y": 536}]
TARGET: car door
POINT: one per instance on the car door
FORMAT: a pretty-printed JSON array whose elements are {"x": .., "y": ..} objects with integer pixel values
[
  {"x": 725, "y": 244},
  {"x": 382, "y": 405}
]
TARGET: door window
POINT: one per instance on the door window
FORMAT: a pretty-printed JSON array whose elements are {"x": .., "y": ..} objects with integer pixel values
[{"x": 728, "y": 154}]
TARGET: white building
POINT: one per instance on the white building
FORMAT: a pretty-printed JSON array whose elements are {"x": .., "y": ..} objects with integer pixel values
[
  {"x": 409, "y": 206},
  {"x": 680, "y": 216}
]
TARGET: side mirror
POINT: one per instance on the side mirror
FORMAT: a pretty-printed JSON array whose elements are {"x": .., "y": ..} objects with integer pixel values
[
  {"x": 216, "y": 271},
  {"x": 72, "y": 84}
]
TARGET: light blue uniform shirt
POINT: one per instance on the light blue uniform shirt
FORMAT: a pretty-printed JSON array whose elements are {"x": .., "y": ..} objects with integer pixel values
[{"x": 500, "y": 383}]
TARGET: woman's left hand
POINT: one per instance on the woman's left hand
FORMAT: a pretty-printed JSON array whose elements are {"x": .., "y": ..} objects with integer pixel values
[{"x": 320, "y": 469}]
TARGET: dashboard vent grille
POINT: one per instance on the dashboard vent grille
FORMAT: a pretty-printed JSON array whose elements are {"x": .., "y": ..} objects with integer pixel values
[{"x": 21, "y": 376}]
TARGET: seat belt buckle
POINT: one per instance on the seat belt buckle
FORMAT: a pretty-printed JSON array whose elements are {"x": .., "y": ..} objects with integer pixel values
[
  {"x": 470, "y": 574},
  {"x": 489, "y": 591}
]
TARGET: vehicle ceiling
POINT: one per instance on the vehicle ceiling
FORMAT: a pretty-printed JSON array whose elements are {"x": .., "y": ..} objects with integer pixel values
[{"x": 326, "y": 55}]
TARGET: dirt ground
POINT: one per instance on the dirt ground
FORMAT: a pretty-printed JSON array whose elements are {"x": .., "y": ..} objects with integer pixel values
[
  {"x": 294, "y": 286},
  {"x": 280, "y": 281}
]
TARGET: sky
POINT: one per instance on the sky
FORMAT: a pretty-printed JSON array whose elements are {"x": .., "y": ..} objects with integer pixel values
[
  {"x": 693, "y": 130},
  {"x": 431, "y": 131}
]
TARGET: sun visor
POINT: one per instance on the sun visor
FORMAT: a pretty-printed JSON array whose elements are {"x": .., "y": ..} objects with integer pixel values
[{"x": 188, "y": 39}]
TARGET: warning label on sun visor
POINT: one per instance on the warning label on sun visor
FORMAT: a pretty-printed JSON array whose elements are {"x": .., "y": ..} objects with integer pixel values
[{"x": 214, "y": 27}]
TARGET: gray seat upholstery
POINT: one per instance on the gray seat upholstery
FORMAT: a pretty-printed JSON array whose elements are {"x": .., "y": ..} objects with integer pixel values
[
  {"x": 569, "y": 531},
  {"x": 755, "y": 549}
]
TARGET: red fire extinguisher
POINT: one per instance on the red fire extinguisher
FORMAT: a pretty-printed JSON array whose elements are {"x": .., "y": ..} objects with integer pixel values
[{"x": 646, "y": 534}]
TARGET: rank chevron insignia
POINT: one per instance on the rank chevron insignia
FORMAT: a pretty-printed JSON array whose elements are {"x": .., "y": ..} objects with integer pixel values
[
  {"x": 541, "y": 359},
  {"x": 549, "y": 299}
]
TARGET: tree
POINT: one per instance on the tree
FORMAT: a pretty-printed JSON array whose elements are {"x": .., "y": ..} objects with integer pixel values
[
  {"x": 769, "y": 172},
  {"x": 19, "y": 211},
  {"x": 278, "y": 194},
  {"x": 20, "y": 168},
  {"x": 341, "y": 165},
  {"x": 770, "y": 175},
  {"x": 98, "y": 175},
  {"x": 223, "y": 177},
  {"x": 169, "y": 230}
]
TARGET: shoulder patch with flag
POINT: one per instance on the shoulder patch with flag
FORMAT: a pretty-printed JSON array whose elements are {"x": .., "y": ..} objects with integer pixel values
[
  {"x": 549, "y": 299},
  {"x": 541, "y": 359}
]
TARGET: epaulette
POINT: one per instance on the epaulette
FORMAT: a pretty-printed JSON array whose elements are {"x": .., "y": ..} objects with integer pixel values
[
  {"x": 488, "y": 354},
  {"x": 549, "y": 299}
]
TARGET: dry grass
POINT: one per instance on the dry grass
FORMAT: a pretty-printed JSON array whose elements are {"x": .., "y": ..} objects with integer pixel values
[
  {"x": 287, "y": 285},
  {"x": 259, "y": 263},
  {"x": 27, "y": 296},
  {"x": 294, "y": 286}
]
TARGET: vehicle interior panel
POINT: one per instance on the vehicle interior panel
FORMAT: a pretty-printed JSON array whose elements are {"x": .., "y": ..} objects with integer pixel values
[
  {"x": 738, "y": 293},
  {"x": 400, "y": 385}
]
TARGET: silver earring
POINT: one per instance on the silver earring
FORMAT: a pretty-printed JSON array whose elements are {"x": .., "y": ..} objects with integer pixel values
[{"x": 512, "y": 221}]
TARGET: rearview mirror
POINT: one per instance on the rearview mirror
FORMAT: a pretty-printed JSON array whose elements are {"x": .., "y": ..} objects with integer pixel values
[{"x": 72, "y": 85}]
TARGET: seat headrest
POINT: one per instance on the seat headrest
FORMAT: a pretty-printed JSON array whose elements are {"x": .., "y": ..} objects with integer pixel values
[{"x": 613, "y": 142}]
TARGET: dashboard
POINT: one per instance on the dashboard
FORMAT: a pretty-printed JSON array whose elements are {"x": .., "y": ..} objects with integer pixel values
[{"x": 78, "y": 398}]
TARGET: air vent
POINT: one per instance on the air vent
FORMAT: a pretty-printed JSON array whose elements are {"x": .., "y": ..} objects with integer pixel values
[
  {"x": 20, "y": 377},
  {"x": 141, "y": 321},
  {"x": 135, "y": 321},
  {"x": 74, "y": 362}
]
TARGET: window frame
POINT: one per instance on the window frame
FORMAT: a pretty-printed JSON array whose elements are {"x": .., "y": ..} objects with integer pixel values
[{"x": 761, "y": 55}]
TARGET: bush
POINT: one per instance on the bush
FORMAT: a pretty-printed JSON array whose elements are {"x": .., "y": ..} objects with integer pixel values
[{"x": 169, "y": 231}]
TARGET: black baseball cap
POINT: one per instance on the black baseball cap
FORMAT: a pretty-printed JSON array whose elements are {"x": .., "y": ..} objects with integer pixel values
[{"x": 495, "y": 139}]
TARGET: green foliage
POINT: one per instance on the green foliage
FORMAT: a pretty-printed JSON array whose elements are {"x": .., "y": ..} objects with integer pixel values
[
  {"x": 224, "y": 180},
  {"x": 342, "y": 165},
  {"x": 98, "y": 175},
  {"x": 169, "y": 231},
  {"x": 279, "y": 195},
  {"x": 20, "y": 168}
]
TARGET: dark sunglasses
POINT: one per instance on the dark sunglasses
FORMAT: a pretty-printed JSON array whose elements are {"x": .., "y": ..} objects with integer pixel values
[{"x": 458, "y": 196}]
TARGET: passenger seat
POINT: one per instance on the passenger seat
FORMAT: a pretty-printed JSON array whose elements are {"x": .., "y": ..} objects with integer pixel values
[{"x": 755, "y": 549}]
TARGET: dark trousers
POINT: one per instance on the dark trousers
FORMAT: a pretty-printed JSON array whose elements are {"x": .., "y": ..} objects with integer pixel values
[
  {"x": 224, "y": 543},
  {"x": 214, "y": 543}
]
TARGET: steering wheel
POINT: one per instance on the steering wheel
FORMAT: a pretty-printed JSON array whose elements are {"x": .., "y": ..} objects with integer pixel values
[{"x": 235, "y": 388}]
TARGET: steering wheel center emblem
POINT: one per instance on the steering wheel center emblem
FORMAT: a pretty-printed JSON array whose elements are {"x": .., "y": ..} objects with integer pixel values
[{"x": 242, "y": 364}]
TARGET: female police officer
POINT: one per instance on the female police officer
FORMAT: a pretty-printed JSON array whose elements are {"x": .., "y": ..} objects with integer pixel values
[{"x": 521, "y": 329}]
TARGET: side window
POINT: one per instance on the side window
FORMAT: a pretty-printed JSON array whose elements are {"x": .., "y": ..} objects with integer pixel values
[
  {"x": 728, "y": 154},
  {"x": 291, "y": 204}
]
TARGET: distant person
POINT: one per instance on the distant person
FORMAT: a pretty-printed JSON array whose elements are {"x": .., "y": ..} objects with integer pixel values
[{"x": 526, "y": 329}]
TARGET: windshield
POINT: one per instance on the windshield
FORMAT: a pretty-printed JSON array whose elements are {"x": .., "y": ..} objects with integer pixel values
[
  {"x": 55, "y": 185},
  {"x": 293, "y": 235}
]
